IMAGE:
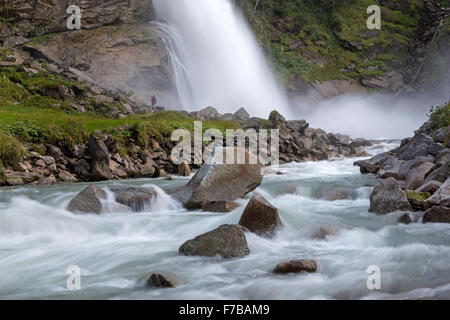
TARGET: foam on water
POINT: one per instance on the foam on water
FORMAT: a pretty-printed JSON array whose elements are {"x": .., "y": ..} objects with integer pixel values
[{"x": 39, "y": 239}]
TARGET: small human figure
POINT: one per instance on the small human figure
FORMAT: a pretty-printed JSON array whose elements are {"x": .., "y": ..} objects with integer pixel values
[{"x": 153, "y": 102}]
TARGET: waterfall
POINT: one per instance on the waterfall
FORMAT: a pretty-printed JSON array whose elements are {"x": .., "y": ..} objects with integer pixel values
[{"x": 215, "y": 58}]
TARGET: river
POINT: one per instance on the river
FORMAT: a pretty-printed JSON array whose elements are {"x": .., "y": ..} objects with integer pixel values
[{"x": 39, "y": 240}]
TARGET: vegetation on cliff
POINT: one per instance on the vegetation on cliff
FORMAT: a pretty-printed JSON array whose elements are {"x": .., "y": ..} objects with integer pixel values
[{"x": 327, "y": 39}]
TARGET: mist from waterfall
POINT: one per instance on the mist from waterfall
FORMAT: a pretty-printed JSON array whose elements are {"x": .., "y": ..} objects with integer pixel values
[{"x": 215, "y": 58}]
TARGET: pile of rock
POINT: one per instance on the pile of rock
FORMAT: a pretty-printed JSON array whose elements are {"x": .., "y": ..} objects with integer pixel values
[
  {"x": 298, "y": 142},
  {"x": 416, "y": 175}
]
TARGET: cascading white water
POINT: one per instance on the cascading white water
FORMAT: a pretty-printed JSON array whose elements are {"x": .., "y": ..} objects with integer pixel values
[{"x": 215, "y": 58}]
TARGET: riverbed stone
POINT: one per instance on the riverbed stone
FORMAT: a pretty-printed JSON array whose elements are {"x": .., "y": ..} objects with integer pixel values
[
  {"x": 228, "y": 241},
  {"x": 296, "y": 266},
  {"x": 388, "y": 197},
  {"x": 88, "y": 201},
  {"x": 260, "y": 216},
  {"x": 161, "y": 279},
  {"x": 138, "y": 199}
]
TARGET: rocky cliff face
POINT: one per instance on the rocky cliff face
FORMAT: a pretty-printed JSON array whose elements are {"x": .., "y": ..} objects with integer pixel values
[
  {"x": 117, "y": 47},
  {"x": 38, "y": 17}
]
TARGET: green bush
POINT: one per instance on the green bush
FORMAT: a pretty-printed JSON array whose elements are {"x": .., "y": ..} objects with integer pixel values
[
  {"x": 440, "y": 116},
  {"x": 11, "y": 151}
]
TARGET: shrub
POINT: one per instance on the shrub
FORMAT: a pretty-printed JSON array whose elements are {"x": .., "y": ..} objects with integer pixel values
[
  {"x": 11, "y": 151},
  {"x": 440, "y": 116}
]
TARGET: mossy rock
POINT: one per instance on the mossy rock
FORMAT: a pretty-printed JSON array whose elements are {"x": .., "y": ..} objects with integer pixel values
[{"x": 419, "y": 196}]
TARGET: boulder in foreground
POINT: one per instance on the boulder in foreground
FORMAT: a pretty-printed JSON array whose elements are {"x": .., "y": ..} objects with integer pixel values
[
  {"x": 228, "y": 241},
  {"x": 388, "y": 197},
  {"x": 296, "y": 266},
  {"x": 218, "y": 181},
  {"x": 260, "y": 216}
]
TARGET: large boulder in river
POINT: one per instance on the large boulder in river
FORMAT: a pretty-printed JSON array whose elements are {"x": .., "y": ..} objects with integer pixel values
[
  {"x": 227, "y": 241},
  {"x": 437, "y": 214},
  {"x": 100, "y": 159},
  {"x": 88, "y": 201},
  {"x": 260, "y": 216},
  {"x": 296, "y": 266},
  {"x": 219, "y": 181},
  {"x": 388, "y": 197},
  {"x": 138, "y": 199}
]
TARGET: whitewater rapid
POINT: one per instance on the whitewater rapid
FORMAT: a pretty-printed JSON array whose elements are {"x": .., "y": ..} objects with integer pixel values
[
  {"x": 39, "y": 240},
  {"x": 215, "y": 58}
]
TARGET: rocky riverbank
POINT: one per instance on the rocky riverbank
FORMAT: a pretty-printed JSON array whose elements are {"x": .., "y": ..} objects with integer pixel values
[
  {"x": 107, "y": 156},
  {"x": 416, "y": 174}
]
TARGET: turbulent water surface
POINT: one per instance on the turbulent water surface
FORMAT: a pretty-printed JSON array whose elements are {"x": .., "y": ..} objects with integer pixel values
[{"x": 39, "y": 239}]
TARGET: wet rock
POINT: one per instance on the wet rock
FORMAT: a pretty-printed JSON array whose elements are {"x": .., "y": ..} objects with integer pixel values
[
  {"x": 221, "y": 182},
  {"x": 260, "y": 216},
  {"x": 437, "y": 214},
  {"x": 88, "y": 201},
  {"x": 296, "y": 266},
  {"x": 420, "y": 145},
  {"x": 322, "y": 231},
  {"x": 404, "y": 219},
  {"x": 184, "y": 170},
  {"x": 228, "y": 241},
  {"x": 441, "y": 174},
  {"x": 416, "y": 175},
  {"x": 161, "y": 279},
  {"x": 391, "y": 169},
  {"x": 219, "y": 206},
  {"x": 440, "y": 195},
  {"x": 373, "y": 164},
  {"x": 138, "y": 199},
  {"x": 430, "y": 186},
  {"x": 100, "y": 159},
  {"x": 336, "y": 194},
  {"x": 388, "y": 197}
]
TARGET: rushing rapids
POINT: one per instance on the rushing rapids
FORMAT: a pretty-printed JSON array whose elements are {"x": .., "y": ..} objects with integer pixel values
[{"x": 40, "y": 240}]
